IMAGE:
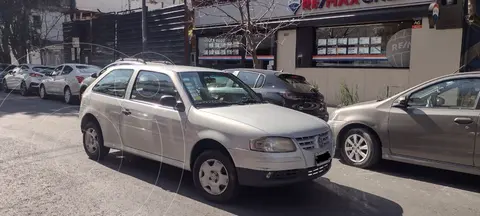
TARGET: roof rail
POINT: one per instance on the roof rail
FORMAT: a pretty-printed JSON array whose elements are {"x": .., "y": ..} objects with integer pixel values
[{"x": 132, "y": 59}]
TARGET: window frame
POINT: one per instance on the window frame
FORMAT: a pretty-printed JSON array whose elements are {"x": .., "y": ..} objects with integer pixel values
[
  {"x": 315, "y": 46},
  {"x": 148, "y": 102},
  {"x": 63, "y": 70},
  {"x": 127, "y": 92},
  {"x": 421, "y": 88}
]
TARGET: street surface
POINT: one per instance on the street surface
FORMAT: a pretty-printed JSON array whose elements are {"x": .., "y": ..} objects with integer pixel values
[{"x": 44, "y": 171}]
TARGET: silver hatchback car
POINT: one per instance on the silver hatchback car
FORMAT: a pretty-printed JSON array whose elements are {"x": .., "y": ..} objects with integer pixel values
[{"x": 204, "y": 121}]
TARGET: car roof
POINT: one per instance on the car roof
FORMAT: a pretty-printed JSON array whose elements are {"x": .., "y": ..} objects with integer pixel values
[{"x": 170, "y": 68}]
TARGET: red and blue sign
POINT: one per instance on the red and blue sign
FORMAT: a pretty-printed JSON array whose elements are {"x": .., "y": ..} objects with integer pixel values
[{"x": 294, "y": 5}]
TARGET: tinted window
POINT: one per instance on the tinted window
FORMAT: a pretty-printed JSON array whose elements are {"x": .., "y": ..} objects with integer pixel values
[
  {"x": 24, "y": 67},
  {"x": 115, "y": 83},
  {"x": 151, "y": 86},
  {"x": 67, "y": 69},
  {"x": 460, "y": 93},
  {"x": 41, "y": 69},
  {"x": 296, "y": 82},
  {"x": 57, "y": 70},
  {"x": 249, "y": 78},
  {"x": 88, "y": 69}
]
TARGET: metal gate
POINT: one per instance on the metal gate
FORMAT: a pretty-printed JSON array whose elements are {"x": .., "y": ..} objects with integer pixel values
[{"x": 113, "y": 36}]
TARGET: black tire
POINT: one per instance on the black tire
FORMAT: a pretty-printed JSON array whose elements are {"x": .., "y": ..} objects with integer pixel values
[
  {"x": 5, "y": 86},
  {"x": 101, "y": 151},
  {"x": 373, "y": 155},
  {"x": 73, "y": 99},
  {"x": 24, "y": 90},
  {"x": 44, "y": 95},
  {"x": 232, "y": 189}
]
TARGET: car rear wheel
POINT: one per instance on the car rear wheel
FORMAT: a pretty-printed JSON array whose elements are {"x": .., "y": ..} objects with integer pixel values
[
  {"x": 93, "y": 142},
  {"x": 42, "y": 92},
  {"x": 68, "y": 98},
  {"x": 5, "y": 86},
  {"x": 24, "y": 91},
  {"x": 360, "y": 148},
  {"x": 215, "y": 177}
]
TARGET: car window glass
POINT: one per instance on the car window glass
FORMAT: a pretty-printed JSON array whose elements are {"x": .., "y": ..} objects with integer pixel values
[
  {"x": 456, "y": 94},
  {"x": 114, "y": 83},
  {"x": 151, "y": 86},
  {"x": 66, "y": 70},
  {"x": 260, "y": 81},
  {"x": 249, "y": 78},
  {"x": 57, "y": 70}
]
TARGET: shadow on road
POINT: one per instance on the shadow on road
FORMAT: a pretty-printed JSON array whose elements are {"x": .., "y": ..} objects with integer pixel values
[
  {"x": 322, "y": 197},
  {"x": 14, "y": 103},
  {"x": 452, "y": 179}
]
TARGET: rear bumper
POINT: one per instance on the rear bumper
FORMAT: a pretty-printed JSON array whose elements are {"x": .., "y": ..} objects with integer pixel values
[{"x": 257, "y": 178}]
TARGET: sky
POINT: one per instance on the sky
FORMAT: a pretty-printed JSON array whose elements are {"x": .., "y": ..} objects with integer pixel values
[{"x": 117, "y": 5}]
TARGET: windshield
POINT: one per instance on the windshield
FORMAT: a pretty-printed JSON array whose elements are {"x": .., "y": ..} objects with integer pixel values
[
  {"x": 297, "y": 83},
  {"x": 88, "y": 69},
  {"x": 41, "y": 69},
  {"x": 46, "y": 70},
  {"x": 217, "y": 89}
]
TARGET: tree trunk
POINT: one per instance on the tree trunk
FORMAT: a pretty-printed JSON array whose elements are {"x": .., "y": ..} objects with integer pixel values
[{"x": 256, "y": 62}]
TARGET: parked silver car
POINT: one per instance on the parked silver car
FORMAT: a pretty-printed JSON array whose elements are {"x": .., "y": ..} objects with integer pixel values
[
  {"x": 25, "y": 77},
  {"x": 226, "y": 138},
  {"x": 433, "y": 124},
  {"x": 65, "y": 81}
]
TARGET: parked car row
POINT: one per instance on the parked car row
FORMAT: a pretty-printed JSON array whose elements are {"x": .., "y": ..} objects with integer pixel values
[{"x": 259, "y": 127}]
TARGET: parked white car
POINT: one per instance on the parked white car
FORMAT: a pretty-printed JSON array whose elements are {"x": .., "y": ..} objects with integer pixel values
[
  {"x": 25, "y": 77},
  {"x": 65, "y": 81},
  {"x": 227, "y": 137}
]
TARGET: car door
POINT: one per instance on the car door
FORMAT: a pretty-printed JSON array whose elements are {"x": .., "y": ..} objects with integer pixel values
[
  {"x": 106, "y": 98},
  {"x": 10, "y": 77},
  {"x": 18, "y": 76},
  {"x": 49, "y": 82},
  {"x": 440, "y": 122},
  {"x": 148, "y": 126},
  {"x": 60, "y": 81}
]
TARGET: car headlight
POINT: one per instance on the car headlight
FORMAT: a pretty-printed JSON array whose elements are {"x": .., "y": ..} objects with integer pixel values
[{"x": 273, "y": 144}]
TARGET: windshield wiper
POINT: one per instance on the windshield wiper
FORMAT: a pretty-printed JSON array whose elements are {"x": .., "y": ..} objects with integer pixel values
[
  {"x": 213, "y": 103},
  {"x": 249, "y": 101}
]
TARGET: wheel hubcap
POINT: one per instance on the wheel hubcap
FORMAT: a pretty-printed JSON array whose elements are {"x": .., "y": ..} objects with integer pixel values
[
  {"x": 67, "y": 96},
  {"x": 213, "y": 177},
  {"x": 42, "y": 92},
  {"x": 356, "y": 148},
  {"x": 91, "y": 140}
]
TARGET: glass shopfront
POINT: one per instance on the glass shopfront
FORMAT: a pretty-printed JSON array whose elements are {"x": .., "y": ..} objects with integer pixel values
[
  {"x": 385, "y": 45},
  {"x": 229, "y": 52}
]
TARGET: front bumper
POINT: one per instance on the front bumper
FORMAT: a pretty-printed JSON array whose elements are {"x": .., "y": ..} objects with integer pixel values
[{"x": 257, "y": 178}]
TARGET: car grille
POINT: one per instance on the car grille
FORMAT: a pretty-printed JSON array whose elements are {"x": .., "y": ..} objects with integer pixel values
[{"x": 312, "y": 142}]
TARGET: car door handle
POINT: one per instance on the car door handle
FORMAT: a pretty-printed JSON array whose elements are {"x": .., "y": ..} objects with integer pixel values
[
  {"x": 126, "y": 112},
  {"x": 463, "y": 120}
]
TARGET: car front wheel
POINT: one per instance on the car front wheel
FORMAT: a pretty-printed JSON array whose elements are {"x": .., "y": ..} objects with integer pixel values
[
  {"x": 360, "y": 148},
  {"x": 24, "y": 91},
  {"x": 215, "y": 177},
  {"x": 93, "y": 142},
  {"x": 42, "y": 92}
]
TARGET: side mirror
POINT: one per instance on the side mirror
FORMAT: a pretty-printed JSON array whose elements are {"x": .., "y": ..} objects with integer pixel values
[
  {"x": 168, "y": 100},
  {"x": 401, "y": 102},
  {"x": 179, "y": 106},
  {"x": 94, "y": 75}
]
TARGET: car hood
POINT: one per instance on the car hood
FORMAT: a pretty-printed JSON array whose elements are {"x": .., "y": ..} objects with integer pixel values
[{"x": 272, "y": 119}]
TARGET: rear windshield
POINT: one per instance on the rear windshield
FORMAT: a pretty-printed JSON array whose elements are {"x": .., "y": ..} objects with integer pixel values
[
  {"x": 41, "y": 69},
  {"x": 296, "y": 82},
  {"x": 88, "y": 69}
]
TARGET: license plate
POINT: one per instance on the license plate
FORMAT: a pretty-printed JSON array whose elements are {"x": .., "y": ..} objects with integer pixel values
[{"x": 317, "y": 158}]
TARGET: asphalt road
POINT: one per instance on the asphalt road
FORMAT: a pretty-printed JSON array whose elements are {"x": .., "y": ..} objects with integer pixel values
[{"x": 44, "y": 171}]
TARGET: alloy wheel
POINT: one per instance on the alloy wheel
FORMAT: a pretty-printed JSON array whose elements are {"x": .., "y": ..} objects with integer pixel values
[
  {"x": 356, "y": 148},
  {"x": 23, "y": 89},
  {"x": 67, "y": 96},
  {"x": 213, "y": 177},
  {"x": 42, "y": 92},
  {"x": 91, "y": 140}
]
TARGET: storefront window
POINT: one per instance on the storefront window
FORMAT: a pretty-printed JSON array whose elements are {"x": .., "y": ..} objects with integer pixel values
[
  {"x": 377, "y": 45},
  {"x": 220, "y": 52}
]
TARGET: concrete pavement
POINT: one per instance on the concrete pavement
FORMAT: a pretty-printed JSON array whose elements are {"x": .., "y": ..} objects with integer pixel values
[{"x": 44, "y": 171}]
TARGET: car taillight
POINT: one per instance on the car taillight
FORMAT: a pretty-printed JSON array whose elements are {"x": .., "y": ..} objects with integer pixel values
[
  {"x": 79, "y": 79},
  {"x": 35, "y": 75},
  {"x": 289, "y": 96}
]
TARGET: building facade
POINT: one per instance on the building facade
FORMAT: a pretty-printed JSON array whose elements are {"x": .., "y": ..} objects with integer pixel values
[{"x": 377, "y": 47}]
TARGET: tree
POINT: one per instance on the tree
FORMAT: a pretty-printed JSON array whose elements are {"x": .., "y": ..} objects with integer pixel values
[
  {"x": 250, "y": 18},
  {"x": 17, "y": 31}
]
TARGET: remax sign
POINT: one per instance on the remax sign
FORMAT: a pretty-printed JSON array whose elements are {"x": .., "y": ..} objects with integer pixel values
[{"x": 295, "y": 5}]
